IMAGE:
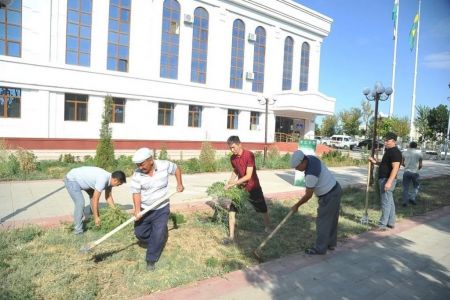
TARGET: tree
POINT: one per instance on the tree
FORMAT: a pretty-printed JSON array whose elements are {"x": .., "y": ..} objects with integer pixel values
[
  {"x": 329, "y": 125},
  {"x": 437, "y": 121},
  {"x": 350, "y": 120},
  {"x": 366, "y": 111},
  {"x": 317, "y": 130},
  {"x": 421, "y": 122},
  {"x": 104, "y": 155},
  {"x": 400, "y": 126}
]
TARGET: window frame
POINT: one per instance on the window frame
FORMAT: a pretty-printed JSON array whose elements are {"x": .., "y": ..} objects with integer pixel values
[
  {"x": 259, "y": 60},
  {"x": 304, "y": 67},
  {"x": 7, "y": 95},
  {"x": 170, "y": 41},
  {"x": 237, "y": 54},
  {"x": 79, "y": 100},
  {"x": 287, "y": 63},
  {"x": 119, "y": 37},
  {"x": 116, "y": 105},
  {"x": 167, "y": 113},
  {"x": 6, "y": 43},
  {"x": 254, "y": 119},
  {"x": 233, "y": 119},
  {"x": 199, "y": 56},
  {"x": 195, "y": 116},
  {"x": 81, "y": 12}
]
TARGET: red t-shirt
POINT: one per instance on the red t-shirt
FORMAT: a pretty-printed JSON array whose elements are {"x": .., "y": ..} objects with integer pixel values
[{"x": 240, "y": 165}]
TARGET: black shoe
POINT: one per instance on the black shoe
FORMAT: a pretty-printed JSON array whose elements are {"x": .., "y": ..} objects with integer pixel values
[
  {"x": 151, "y": 266},
  {"x": 313, "y": 251},
  {"x": 331, "y": 248},
  {"x": 142, "y": 244},
  {"x": 227, "y": 241},
  {"x": 404, "y": 205},
  {"x": 412, "y": 202},
  {"x": 391, "y": 226}
]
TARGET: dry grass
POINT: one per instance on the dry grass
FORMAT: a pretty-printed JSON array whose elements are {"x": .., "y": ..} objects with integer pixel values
[{"x": 47, "y": 264}]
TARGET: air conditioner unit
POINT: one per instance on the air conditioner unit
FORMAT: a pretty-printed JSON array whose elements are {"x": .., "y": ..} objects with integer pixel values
[
  {"x": 252, "y": 37},
  {"x": 188, "y": 19},
  {"x": 250, "y": 75}
]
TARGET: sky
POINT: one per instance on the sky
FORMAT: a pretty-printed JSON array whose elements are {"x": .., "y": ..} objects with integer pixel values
[{"x": 359, "y": 51}]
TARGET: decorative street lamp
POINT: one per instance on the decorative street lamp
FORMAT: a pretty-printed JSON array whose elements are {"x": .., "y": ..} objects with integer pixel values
[
  {"x": 447, "y": 137},
  {"x": 266, "y": 101},
  {"x": 379, "y": 93}
]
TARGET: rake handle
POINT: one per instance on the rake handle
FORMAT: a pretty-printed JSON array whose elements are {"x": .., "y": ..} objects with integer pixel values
[
  {"x": 274, "y": 231},
  {"x": 124, "y": 224}
]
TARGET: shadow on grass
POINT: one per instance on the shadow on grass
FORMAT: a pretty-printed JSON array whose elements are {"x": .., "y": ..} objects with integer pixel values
[{"x": 100, "y": 257}]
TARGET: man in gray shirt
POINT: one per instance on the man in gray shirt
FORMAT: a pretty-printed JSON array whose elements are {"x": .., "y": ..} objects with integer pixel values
[
  {"x": 320, "y": 181},
  {"x": 93, "y": 181},
  {"x": 412, "y": 161}
]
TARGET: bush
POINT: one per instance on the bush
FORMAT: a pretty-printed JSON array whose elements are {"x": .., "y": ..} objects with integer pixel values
[
  {"x": 163, "y": 155},
  {"x": 207, "y": 158},
  {"x": 110, "y": 218},
  {"x": 67, "y": 158},
  {"x": 190, "y": 166},
  {"x": 104, "y": 155},
  {"x": 9, "y": 167},
  {"x": 27, "y": 161}
]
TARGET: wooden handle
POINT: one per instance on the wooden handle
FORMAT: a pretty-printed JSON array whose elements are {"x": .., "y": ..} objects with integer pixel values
[{"x": 275, "y": 230}]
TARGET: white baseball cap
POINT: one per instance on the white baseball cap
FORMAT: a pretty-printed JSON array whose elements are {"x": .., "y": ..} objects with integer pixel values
[
  {"x": 297, "y": 158},
  {"x": 141, "y": 155}
]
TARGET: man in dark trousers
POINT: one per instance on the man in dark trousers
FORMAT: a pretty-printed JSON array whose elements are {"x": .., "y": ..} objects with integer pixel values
[
  {"x": 149, "y": 185},
  {"x": 244, "y": 174},
  {"x": 387, "y": 178},
  {"x": 320, "y": 181}
]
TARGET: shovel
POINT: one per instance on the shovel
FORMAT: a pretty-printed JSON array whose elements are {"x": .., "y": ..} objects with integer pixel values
[
  {"x": 255, "y": 253},
  {"x": 88, "y": 247}
]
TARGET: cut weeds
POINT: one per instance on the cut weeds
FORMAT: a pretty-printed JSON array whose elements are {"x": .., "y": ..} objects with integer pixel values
[{"x": 46, "y": 264}]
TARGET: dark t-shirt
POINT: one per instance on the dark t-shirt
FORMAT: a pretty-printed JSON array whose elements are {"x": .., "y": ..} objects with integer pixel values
[
  {"x": 390, "y": 156},
  {"x": 240, "y": 165}
]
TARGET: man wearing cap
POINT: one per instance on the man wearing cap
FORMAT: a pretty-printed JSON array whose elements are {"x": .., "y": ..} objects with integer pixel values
[
  {"x": 320, "y": 181},
  {"x": 149, "y": 185},
  {"x": 93, "y": 181},
  {"x": 412, "y": 161},
  {"x": 387, "y": 178}
]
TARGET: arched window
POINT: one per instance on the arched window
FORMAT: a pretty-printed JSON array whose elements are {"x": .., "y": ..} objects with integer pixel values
[
  {"x": 237, "y": 54},
  {"x": 199, "y": 45},
  {"x": 259, "y": 60},
  {"x": 304, "y": 67},
  {"x": 287, "y": 63},
  {"x": 170, "y": 39}
]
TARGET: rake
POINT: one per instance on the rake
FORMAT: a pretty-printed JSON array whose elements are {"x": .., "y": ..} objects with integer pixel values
[{"x": 88, "y": 247}]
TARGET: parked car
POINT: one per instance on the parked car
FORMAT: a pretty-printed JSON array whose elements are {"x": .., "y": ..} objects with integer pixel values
[
  {"x": 343, "y": 141},
  {"x": 367, "y": 144},
  {"x": 325, "y": 141}
]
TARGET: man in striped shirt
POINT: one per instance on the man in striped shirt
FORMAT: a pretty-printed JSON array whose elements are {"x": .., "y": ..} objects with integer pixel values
[{"x": 149, "y": 185}]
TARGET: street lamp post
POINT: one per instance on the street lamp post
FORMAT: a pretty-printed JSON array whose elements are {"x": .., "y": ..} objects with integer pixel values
[
  {"x": 379, "y": 93},
  {"x": 266, "y": 101},
  {"x": 447, "y": 137}
]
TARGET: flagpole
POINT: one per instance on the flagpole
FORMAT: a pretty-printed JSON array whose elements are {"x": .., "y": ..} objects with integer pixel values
[
  {"x": 413, "y": 104},
  {"x": 394, "y": 63}
]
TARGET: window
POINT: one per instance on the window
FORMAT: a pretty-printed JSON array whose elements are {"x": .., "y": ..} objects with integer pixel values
[
  {"x": 10, "y": 102},
  {"x": 232, "y": 119},
  {"x": 78, "y": 32},
  {"x": 237, "y": 55},
  {"x": 170, "y": 40},
  {"x": 119, "y": 35},
  {"x": 118, "y": 110},
  {"x": 199, "y": 45},
  {"x": 254, "y": 120},
  {"x": 165, "y": 114},
  {"x": 195, "y": 116},
  {"x": 75, "y": 107},
  {"x": 11, "y": 29},
  {"x": 259, "y": 60},
  {"x": 304, "y": 67},
  {"x": 287, "y": 63}
]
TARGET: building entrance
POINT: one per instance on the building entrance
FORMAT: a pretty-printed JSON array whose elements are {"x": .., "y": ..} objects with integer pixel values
[{"x": 289, "y": 129}]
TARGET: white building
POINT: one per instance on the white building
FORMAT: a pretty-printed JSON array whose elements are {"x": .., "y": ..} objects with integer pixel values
[{"x": 181, "y": 72}]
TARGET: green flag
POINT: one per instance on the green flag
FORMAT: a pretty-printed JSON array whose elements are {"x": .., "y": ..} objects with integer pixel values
[
  {"x": 395, "y": 17},
  {"x": 413, "y": 32}
]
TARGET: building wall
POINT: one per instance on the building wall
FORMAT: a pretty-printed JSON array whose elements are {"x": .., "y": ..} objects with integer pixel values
[{"x": 44, "y": 77}]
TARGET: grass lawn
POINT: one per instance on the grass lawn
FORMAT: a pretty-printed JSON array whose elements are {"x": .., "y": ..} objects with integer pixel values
[{"x": 40, "y": 263}]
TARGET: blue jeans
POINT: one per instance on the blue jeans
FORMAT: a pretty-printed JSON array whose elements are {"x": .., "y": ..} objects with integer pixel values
[
  {"x": 152, "y": 230},
  {"x": 75, "y": 193},
  {"x": 409, "y": 177},
  {"x": 387, "y": 204}
]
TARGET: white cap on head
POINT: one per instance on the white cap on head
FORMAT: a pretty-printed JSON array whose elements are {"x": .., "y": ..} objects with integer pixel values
[
  {"x": 297, "y": 158},
  {"x": 141, "y": 154}
]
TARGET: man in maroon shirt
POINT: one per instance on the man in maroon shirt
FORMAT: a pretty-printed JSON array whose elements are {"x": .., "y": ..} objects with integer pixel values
[{"x": 244, "y": 174}]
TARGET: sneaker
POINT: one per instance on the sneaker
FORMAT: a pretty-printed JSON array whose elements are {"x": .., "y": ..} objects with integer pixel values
[
  {"x": 313, "y": 251},
  {"x": 227, "y": 241},
  {"x": 268, "y": 229},
  {"x": 390, "y": 226},
  {"x": 78, "y": 232},
  {"x": 142, "y": 244},
  {"x": 381, "y": 228},
  {"x": 332, "y": 248},
  {"x": 151, "y": 266}
]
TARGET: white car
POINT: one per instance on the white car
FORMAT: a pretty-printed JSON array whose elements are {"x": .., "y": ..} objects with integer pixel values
[{"x": 343, "y": 141}]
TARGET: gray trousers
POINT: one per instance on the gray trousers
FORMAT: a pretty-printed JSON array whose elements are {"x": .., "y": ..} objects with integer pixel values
[{"x": 327, "y": 219}]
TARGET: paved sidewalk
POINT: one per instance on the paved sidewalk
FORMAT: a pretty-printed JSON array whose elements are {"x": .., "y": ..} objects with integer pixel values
[
  {"x": 47, "y": 202},
  {"x": 410, "y": 262}
]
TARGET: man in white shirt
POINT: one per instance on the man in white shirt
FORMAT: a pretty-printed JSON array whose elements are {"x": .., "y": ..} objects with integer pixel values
[
  {"x": 412, "y": 161},
  {"x": 149, "y": 184},
  {"x": 93, "y": 181}
]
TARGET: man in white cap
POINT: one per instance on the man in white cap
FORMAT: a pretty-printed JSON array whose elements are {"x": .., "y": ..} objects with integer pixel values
[
  {"x": 149, "y": 184},
  {"x": 320, "y": 181}
]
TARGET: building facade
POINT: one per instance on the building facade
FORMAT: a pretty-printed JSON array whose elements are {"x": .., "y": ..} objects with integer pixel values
[{"x": 180, "y": 72}]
